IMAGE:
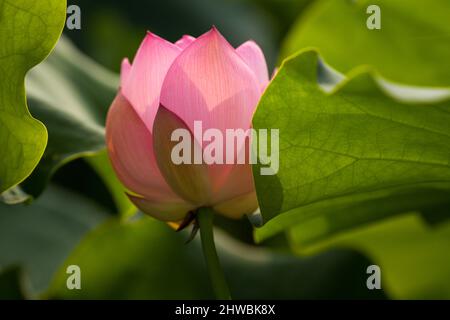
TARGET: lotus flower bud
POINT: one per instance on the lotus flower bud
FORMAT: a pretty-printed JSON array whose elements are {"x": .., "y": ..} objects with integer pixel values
[{"x": 194, "y": 86}]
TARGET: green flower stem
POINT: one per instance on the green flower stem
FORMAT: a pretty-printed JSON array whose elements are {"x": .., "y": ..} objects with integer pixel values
[{"x": 205, "y": 219}]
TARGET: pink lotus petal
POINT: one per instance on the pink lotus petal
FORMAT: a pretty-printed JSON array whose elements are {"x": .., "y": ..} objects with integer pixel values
[
  {"x": 185, "y": 41},
  {"x": 164, "y": 211},
  {"x": 209, "y": 81},
  {"x": 124, "y": 71},
  {"x": 252, "y": 54},
  {"x": 143, "y": 84},
  {"x": 190, "y": 181},
  {"x": 130, "y": 149},
  {"x": 237, "y": 181}
]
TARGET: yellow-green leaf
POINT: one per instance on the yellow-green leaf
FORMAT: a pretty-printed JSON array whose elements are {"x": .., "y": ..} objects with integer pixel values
[
  {"x": 365, "y": 151},
  {"x": 28, "y": 31}
]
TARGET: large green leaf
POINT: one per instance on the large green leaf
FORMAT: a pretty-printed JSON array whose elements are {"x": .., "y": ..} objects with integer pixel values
[
  {"x": 146, "y": 259},
  {"x": 357, "y": 154},
  {"x": 70, "y": 94},
  {"x": 412, "y": 46},
  {"x": 413, "y": 256},
  {"x": 28, "y": 32},
  {"x": 38, "y": 238}
]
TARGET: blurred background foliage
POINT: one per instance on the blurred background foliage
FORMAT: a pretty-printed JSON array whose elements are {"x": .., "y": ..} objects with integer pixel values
[
  {"x": 77, "y": 212},
  {"x": 114, "y": 28}
]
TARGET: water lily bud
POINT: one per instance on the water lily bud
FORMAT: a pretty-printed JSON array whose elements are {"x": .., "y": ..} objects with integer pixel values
[{"x": 202, "y": 87}]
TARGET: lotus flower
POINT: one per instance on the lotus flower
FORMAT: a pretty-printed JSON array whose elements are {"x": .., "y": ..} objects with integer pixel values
[{"x": 171, "y": 86}]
